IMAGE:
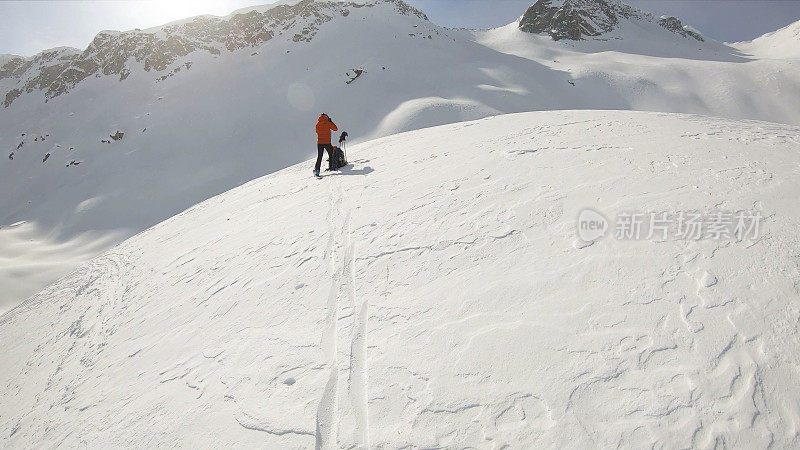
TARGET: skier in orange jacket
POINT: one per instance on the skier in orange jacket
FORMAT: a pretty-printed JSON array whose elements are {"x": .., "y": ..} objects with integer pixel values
[{"x": 324, "y": 127}]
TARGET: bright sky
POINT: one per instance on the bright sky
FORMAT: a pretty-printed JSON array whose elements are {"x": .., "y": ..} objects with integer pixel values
[{"x": 27, "y": 27}]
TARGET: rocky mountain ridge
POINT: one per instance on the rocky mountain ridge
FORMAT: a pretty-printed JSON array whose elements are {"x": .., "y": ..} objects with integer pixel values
[
  {"x": 581, "y": 19},
  {"x": 56, "y": 71}
]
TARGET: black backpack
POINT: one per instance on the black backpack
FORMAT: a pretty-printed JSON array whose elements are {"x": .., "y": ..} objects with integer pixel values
[{"x": 337, "y": 158}]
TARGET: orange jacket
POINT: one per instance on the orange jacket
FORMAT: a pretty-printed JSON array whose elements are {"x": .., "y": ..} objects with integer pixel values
[{"x": 324, "y": 128}]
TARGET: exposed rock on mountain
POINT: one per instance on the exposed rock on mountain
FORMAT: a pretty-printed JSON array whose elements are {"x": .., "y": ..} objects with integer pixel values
[
  {"x": 674, "y": 24},
  {"x": 573, "y": 19},
  {"x": 57, "y": 71},
  {"x": 40, "y": 72},
  {"x": 579, "y": 19}
]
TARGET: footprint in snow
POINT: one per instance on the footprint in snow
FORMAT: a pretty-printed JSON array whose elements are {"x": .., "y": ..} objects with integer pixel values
[
  {"x": 580, "y": 243},
  {"x": 707, "y": 280}
]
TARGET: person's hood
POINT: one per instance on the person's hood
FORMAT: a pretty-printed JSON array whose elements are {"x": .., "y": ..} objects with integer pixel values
[{"x": 321, "y": 119}]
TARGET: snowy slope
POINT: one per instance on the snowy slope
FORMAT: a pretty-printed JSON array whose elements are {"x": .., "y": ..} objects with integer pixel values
[
  {"x": 206, "y": 104},
  {"x": 781, "y": 44},
  {"x": 434, "y": 294},
  {"x": 227, "y": 119},
  {"x": 663, "y": 75}
]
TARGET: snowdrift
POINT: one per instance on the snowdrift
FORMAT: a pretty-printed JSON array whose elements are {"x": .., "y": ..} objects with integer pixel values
[{"x": 434, "y": 294}]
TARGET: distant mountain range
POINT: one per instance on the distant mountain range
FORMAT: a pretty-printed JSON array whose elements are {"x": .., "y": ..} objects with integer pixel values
[{"x": 57, "y": 71}]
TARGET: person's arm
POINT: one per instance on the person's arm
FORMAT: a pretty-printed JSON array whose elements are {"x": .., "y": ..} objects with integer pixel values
[{"x": 333, "y": 126}]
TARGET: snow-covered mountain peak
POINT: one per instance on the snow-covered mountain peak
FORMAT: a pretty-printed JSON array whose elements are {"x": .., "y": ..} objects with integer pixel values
[
  {"x": 581, "y": 19},
  {"x": 675, "y": 25},
  {"x": 575, "y": 19},
  {"x": 781, "y": 44},
  {"x": 118, "y": 53}
]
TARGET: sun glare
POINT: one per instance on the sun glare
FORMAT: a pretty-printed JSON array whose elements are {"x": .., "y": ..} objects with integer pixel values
[{"x": 155, "y": 13}]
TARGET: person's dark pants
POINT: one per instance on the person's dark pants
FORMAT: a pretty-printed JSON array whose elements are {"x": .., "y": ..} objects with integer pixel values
[{"x": 321, "y": 147}]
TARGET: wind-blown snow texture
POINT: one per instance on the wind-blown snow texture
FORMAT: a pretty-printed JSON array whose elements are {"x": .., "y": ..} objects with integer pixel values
[
  {"x": 206, "y": 104},
  {"x": 431, "y": 295}
]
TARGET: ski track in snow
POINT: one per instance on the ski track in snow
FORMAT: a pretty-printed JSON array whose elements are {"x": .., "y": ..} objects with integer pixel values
[
  {"x": 346, "y": 331},
  {"x": 438, "y": 301}
]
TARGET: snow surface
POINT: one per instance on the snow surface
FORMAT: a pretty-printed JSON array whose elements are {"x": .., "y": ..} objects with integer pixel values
[
  {"x": 236, "y": 116},
  {"x": 433, "y": 295},
  {"x": 781, "y": 44}
]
